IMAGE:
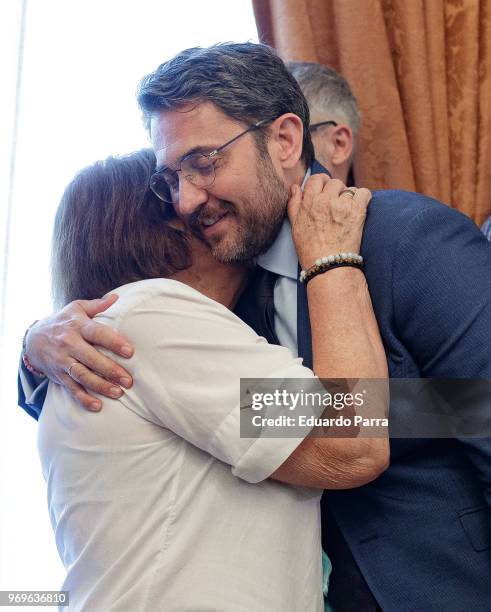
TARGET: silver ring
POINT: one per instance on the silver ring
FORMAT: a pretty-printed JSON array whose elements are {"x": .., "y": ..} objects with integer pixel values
[
  {"x": 351, "y": 192},
  {"x": 69, "y": 369}
]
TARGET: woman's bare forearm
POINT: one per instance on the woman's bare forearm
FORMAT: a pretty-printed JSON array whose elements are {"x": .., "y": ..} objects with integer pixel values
[{"x": 346, "y": 342}]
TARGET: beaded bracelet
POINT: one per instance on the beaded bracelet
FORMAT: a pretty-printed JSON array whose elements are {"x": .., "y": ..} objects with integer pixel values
[
  {"x": 323, "y": 264},
  {"x": 25, "y": 359}
]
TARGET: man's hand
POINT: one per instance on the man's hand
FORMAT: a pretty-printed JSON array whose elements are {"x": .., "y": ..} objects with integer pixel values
[{"x": 60, "y": 346}]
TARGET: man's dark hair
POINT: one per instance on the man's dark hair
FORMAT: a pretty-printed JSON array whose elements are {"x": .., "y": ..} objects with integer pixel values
[
  {"x": 110, "y": 230},
  {"x": 246, "y": 81}
]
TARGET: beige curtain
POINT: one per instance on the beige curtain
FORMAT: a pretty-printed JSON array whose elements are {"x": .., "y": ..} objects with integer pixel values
[{"x": 421, "y": 70}]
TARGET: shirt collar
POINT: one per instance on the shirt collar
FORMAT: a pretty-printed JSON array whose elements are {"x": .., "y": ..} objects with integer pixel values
[{"x": 281, "y": 257}]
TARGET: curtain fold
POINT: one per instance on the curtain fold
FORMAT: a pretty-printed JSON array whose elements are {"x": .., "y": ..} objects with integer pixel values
[{"x": 421, "y": 72}]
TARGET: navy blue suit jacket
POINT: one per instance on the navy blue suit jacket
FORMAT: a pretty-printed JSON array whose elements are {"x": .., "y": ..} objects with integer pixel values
[{"x": 421, "y": 532}]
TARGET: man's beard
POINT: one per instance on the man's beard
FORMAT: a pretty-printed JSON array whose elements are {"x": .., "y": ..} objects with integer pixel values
[{"x": 259, "y": 222}]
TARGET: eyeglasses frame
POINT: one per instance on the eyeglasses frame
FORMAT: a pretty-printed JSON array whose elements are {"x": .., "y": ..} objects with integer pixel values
[
  {"x": 209, "y": 156},
  {"x": 316, "y": 126}
]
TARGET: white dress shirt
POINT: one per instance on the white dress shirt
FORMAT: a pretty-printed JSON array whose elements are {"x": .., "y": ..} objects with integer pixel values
[
  {"x": 156, "y": 502},
  {"x": 281, "y": 258}
]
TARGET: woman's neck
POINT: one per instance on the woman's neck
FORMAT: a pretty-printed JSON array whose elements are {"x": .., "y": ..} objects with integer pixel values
[{"x": 221, "y": 282}]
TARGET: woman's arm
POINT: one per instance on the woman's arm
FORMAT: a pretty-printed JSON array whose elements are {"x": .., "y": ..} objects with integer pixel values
[
  {"x": 191, "y": 352},
  {"x": 346, "y": 341},
  {"x": 70, "y": 336}
]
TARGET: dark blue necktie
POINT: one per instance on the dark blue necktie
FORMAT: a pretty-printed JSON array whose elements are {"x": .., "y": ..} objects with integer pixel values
[{"x": 304, "y": 336}]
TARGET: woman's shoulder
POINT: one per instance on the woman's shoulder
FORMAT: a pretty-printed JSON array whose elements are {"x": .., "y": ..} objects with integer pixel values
[
  {"x": 153, "y": 287},
  {"x": 159, "y": 294}
]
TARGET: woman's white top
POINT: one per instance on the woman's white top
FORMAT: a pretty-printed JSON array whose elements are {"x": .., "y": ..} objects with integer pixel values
[{"x": 156, "y": 502}]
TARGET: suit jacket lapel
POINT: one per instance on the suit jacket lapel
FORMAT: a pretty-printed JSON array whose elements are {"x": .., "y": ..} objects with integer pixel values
[{"x": 304, "y": 335}]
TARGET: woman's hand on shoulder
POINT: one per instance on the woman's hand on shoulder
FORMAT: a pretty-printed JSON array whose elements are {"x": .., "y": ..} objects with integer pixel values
[{"x": 326, "y": 218}]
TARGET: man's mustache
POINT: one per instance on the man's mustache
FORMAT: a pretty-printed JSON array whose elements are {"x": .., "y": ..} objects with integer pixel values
[{"x": 196, "y": 218}]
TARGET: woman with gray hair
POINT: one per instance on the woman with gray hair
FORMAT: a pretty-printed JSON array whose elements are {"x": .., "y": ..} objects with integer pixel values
[{"x": 146, "y": 511}]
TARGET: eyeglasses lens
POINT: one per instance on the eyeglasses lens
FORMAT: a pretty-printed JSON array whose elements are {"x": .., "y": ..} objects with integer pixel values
[{"x": 198, "y": 169}]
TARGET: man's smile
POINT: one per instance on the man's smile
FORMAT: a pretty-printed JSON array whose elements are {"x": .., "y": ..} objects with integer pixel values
[{"x": 209, "y": 220}]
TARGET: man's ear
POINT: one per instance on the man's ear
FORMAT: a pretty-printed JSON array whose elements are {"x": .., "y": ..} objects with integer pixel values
[
  {"x": 286, "y": 140},
  {"x": 342, "y": 144}
]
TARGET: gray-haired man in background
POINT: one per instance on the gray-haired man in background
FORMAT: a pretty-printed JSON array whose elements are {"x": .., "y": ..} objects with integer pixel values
[{"x": 334, "y": 116}]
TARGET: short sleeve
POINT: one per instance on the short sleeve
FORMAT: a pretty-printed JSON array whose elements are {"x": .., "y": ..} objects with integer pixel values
[{"x": 190, "y": 354}]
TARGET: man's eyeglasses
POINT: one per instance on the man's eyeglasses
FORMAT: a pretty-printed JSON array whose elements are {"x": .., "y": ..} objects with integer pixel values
[
  {"x": 316, "y": 126},
  {"x": 197, "y": 168}
]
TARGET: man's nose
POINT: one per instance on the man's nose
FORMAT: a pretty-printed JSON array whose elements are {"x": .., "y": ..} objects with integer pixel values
[{"x": 190, "y": 198}]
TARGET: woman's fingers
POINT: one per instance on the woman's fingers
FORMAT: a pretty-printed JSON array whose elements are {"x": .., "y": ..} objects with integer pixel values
[
  {"x": 79, "y": 394},
  {"x": 363, "y": 196},
  {"x": 91, "y": 381},
  {"x": 294, "y": 202},
  {"x": 329, "y": 220},
  {"x": 93, "y": 307}
]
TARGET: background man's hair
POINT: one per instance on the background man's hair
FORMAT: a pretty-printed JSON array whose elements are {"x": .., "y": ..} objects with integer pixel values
[
  {"x": 327, "y": 92},
  {"x": 110, "y": 230},
  {"x": 248, "y": 82}
]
